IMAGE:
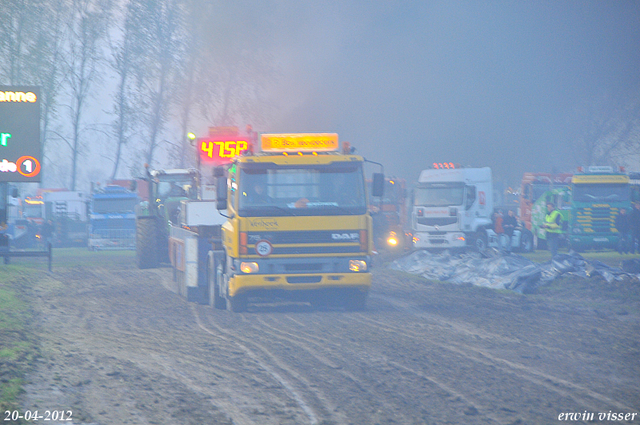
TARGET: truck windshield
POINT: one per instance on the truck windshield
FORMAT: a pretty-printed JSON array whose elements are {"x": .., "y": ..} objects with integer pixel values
[
  {"x": 177, "y": 186},
  {"x": 540, "y": 189},
  {"x": 266, "y": 189},
  {"x": 114, "y": 206},
  {"x": 439, "y": 194},
  {"x": 33, "y": 210},
  {"x": 600, "y": 192}
]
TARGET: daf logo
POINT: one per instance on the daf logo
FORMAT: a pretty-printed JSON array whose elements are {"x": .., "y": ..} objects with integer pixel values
[
  {"x": 436, "y": 227},
  {"x": 344, "y": 236}
]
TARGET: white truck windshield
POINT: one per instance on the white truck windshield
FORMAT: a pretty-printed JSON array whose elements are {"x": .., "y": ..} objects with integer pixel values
[{"x": 439, "y": 194}]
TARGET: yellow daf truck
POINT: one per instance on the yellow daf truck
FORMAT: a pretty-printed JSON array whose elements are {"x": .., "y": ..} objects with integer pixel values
[{"x": 296, "y": 227}]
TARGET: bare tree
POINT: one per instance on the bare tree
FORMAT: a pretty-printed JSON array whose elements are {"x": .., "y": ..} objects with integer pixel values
[
  {"x": 126, "y": 53},
  {"x": 16, "y": 34},
  {"x": 44, "y": 65},
  {"x": 607, "y": 130},
  {"x": 235, "y": 88},
  {"x": 87, "y": 30},
  {"x": 31, "y": 50},
  {"x": 156, "y": 77}
]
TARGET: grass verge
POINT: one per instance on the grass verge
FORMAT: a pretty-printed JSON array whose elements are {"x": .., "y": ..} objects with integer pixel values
[{"x": 17, "y": 347}]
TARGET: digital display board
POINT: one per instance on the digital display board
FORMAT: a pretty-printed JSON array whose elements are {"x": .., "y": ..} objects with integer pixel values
[
  {"x": 299, "y": 142},
  {"x": 222, "y": 145},
  {"x": 20, "y": 147},
  {"x": 222, "y": 151}
]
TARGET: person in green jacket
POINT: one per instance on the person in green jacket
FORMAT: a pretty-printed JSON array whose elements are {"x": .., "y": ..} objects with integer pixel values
[{"x": 553, "y": 227}]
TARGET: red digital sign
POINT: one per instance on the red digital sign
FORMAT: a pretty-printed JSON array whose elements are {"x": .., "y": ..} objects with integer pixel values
[
  {"x": 222, "y": 151},
  {"x": 223, "y": 144}
]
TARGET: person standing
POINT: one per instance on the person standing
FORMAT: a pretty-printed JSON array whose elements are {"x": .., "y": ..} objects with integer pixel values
[
  {"x": 553, "y": 227},
  {"x": 497, "y": 227},
  {"x": 509, "y": 224},
  {"x": 634, "y": 219},
  {"x": 623, "y": 226}
]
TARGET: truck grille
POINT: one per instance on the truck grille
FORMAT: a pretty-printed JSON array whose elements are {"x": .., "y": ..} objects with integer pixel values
[
  {"x": 306, "y": 237},
  {"x": 437, "y": 221},
  {"x": 599, "y": 220}
]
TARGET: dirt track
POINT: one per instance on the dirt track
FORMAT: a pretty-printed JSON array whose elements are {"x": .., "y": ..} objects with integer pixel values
[{"x": 120, "y": 347}]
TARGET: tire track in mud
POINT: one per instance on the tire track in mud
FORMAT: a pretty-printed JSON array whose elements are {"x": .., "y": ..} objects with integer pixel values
[
  {"x": 459, "y": 327},
  {"x": 135, "y": 338},
  {"x": 374, "y": 363},
  {"x": 536, "y": 377},
  {"x": 323, "y": 344},
  {"x": 290, "y": 387},
  {"x": 312, "y": 344}
]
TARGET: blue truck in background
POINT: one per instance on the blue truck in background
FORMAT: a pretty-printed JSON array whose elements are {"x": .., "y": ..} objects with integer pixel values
[{"x": 112, "y": 219}]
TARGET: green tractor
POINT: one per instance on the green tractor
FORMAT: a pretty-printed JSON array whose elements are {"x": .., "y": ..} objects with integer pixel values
[{"x": 167, "y": 188}]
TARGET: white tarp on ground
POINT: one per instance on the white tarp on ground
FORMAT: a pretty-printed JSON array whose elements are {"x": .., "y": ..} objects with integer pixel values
[{"x": 497, "y": 271}]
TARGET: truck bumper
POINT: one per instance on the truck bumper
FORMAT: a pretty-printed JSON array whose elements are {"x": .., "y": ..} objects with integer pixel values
[
  {"x": 594, "y": 242},
  {"x": 239, "y": 284},
  {"x": 99, "y": 244},
  {"x": 443, "y": 240}
]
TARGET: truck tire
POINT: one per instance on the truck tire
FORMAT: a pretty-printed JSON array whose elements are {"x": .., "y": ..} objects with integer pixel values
[
  {"x": 237, "y": 304},
  {"x": 480, "y": 241},
  {"x": 146, "y": 243},
  {"x": 214, "y": 274}
]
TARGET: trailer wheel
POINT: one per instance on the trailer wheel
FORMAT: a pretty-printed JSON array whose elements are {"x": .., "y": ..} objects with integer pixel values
[
  {"x": 146, "y": 243},
  {"x": 480, "y": 242},
  {"x": 237, "y": 304},
  {"x": 214, "y": 274}
]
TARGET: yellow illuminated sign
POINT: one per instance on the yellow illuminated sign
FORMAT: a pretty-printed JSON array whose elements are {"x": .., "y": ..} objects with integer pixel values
[
  {"x": 600, "y": 179},
  {"x": 299, "y": 142}
]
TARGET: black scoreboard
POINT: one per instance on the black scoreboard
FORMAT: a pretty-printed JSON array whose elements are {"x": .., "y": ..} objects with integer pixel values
[{"x": 20, "y": 146}]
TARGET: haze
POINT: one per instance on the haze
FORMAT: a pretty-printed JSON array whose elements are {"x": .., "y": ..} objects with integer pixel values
[
  {"x": 479, "y": 83},
  {"x": 517, "y": 86}
]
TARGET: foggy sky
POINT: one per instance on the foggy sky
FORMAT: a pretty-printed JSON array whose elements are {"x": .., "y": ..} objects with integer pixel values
[{"x": 415, "y": 82}]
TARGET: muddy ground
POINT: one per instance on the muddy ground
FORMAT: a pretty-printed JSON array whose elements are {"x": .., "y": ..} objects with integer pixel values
[{"x": 119, "y": 346}]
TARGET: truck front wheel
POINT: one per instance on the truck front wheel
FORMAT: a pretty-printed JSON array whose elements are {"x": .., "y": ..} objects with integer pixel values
[
  {"x": 237, "y": 304},
  {"x": 214, "y": 275},
  {"x": 480, "y": 241}
]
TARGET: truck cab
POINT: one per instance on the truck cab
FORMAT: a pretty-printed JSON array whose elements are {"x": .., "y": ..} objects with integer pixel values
[
  {"x": 597, "y": 195},
  {"x": 112, "y": 221},
  {"x": 298, "y": 225},
  {"x": 452, "y": 207}
]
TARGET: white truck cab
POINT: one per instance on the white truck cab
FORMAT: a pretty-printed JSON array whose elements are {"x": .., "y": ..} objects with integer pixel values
[{"x": 452, "y": 208}]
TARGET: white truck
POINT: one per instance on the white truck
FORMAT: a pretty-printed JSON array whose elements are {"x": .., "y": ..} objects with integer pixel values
[{"x": 452, "y": 208}]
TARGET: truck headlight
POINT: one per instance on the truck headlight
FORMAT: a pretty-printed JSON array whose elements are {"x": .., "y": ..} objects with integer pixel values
[
  {"x": 392, "y": 239},
  {"x": 357, "y": 265},
  {"x": 249, "y": 267}
]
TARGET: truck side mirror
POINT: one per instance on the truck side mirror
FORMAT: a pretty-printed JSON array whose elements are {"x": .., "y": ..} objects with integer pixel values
[
  {"x": 221, "y": 193},
  {"x": 377, "y": 184}
]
